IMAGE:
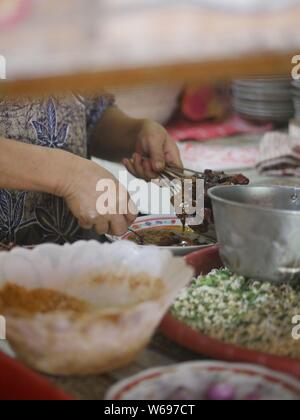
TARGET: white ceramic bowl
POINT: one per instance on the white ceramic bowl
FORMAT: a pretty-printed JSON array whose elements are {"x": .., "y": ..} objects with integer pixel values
[{"x": 129, "y": 288}]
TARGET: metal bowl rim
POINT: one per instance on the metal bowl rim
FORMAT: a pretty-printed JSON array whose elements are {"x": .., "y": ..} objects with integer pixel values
[{"x": 252, "y": 206}]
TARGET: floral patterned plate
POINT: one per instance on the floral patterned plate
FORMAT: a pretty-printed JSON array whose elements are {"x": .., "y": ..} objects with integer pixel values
[
  {"x": 153, "y": 222},
  {"x": 207, "y": 381}
]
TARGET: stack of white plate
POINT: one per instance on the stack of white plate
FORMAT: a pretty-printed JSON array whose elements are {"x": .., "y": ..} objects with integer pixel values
[
  {"x": 264, "y": 99},
  {"x": 296, "y": 96}
]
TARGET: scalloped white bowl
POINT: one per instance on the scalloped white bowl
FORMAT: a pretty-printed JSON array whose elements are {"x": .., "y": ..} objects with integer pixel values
[{"x": 129, "y": 290}]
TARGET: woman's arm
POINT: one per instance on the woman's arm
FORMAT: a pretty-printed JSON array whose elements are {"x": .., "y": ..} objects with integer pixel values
[
  {"x": 32, "y": 168},
  {"x": 114, "y": 137},
  {"x": 117, "y": 137}
]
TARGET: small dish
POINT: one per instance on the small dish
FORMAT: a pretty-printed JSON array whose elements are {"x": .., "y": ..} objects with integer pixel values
[
  {"x": 166, "y": 223},
  {"x": 207, "y": 381}
]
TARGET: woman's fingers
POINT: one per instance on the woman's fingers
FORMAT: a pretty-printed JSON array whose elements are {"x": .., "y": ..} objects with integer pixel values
[
  {"x": 135, "y": 166},
  {"x": 86, "y": 225},
  {"x": 140, "y": 168},
  {"x": 114, "y": 224},
  {"x": 86, "y": 222},
  {"x": 118, "y": 226},
  {"x": 155, "y": 149},
  {"x": 160, "y": 154},
  {"x": 172, "y": 154},
  {"x": 102, "y": 227},
  {"x": 129, "y": 166},
  {"x": 87, "y": 198},
  {"x": 149, "y": 173},
  {"x": 138, "y": 165}
]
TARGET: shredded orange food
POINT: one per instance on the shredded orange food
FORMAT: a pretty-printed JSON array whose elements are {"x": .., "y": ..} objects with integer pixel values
[{"x": 18, "y": 298}]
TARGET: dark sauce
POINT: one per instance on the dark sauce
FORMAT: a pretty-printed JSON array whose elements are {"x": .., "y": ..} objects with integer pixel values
[{"x": 170, "y": 236}]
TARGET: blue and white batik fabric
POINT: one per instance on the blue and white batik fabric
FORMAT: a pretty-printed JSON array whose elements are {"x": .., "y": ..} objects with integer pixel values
[{"x": 60, "y": 122}]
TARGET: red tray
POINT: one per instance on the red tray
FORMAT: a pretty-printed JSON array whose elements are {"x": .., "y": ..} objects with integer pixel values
[
  {"x": 204, "y": 261},
  {"x": 20, "y": 383}
]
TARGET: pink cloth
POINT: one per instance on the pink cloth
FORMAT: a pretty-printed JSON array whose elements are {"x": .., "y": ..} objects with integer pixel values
[
  {"x": 203, "y": 155},
  {"x": 279, "y": 155},
  {"x": 184, "y": 130}
]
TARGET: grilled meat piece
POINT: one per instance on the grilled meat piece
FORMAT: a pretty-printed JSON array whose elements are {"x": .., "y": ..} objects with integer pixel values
[{"x": 211, "y": 179}]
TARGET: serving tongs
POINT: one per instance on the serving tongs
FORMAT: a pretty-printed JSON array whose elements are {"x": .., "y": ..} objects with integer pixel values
[
  {"x": 171, "y": 174},
  {"x": 173, "y": 178}
]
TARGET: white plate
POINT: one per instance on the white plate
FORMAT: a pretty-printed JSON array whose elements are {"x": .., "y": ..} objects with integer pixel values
[
  {"x": 160, "y": 383},
  {"x": 150, "y": 222},
  {"x": 265, "y": 83}
]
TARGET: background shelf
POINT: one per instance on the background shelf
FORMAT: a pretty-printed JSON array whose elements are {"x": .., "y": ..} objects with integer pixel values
[{"x": 63, "y": 44}]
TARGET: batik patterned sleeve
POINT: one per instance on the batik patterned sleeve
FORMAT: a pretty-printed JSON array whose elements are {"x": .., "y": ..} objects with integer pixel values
[{"x": 95, "y": 108}]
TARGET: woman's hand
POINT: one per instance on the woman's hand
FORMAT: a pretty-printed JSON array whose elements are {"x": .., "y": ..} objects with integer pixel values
[
  {"x": 154, "y": 143},
  {"x": 96, "y": 207},
  {"x": 61, "y": 173}
]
